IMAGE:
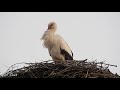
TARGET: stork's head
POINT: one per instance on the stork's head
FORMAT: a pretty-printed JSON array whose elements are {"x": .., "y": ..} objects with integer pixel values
[{"x": 52, "y": 26}]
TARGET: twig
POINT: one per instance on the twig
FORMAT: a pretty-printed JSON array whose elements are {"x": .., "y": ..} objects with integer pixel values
[{"x": 87, "y": 73}]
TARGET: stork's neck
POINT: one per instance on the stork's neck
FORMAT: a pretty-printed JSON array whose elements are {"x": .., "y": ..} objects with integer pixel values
[
  {"x": 49, "y": 38},
  {"x": 52, "y": 30}
]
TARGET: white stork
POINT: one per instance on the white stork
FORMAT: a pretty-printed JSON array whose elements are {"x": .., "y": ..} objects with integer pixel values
[{"x": 57, "y": 47}]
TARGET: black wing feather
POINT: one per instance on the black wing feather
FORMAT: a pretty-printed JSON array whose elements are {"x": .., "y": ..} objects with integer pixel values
[
  {"x": 72, "y": 53},
  {"x": 66, "y": 54}
]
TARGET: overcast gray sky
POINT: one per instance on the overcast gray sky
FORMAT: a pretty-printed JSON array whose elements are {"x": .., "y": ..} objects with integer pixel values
[{"x": 91, "y": 35}]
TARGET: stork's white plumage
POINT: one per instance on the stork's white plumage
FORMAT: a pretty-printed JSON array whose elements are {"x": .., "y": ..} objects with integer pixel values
[{"x": 57, "y": 47}]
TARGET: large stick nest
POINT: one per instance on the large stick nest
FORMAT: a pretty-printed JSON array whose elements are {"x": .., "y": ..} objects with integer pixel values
[{"x": 69, "y": 69}]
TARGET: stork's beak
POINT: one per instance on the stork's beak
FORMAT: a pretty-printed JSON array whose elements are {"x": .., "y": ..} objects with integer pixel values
[{"x": 48, "y": 28}]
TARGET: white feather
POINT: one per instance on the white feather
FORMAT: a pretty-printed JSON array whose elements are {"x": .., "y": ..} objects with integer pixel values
[{"x": 63, "y": 44}]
